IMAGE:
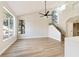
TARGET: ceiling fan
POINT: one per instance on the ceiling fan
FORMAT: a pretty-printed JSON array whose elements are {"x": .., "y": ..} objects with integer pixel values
[{"x": 46, "y": 12}]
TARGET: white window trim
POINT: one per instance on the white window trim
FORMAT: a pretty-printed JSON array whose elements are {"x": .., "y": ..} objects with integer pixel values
[{"x": 13, "y": 25}]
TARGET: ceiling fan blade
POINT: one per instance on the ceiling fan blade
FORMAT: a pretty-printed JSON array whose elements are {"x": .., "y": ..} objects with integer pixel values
[
  {"x": 42, "y": 13},
  {"x": 47, "y": 12}
]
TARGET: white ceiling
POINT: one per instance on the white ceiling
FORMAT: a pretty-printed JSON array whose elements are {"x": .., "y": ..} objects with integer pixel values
[{"x": 26, "y": 7}]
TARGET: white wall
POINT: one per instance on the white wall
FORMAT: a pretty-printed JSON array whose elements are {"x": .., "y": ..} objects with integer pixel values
[
  {"x": 5, "y": 44},
  {"x": 54, "y": 33},
  {"x": 65, "y": 15},
  {"x": 35, "y": 26},
  {"x": 72, "y": 46},
  {"x": 70, "y": 29}
]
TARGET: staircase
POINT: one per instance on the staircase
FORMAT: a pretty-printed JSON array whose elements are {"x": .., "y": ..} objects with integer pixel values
[{"x": 60, "y": 30}]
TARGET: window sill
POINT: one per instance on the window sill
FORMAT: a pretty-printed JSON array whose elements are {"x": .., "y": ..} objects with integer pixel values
[{"x": 7, "y": 39}]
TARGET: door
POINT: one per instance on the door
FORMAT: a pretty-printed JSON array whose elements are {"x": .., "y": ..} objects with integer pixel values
[{"x": 76, "y": 29}]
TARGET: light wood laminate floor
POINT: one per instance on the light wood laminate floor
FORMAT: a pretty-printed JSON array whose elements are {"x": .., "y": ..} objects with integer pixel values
[{"x": 41, "y": 47}]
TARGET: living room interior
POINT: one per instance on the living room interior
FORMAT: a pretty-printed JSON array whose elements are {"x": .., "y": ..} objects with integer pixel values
[{"x": 39, "y": 28}]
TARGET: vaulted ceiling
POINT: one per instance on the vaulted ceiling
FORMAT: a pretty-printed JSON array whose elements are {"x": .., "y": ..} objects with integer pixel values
[{"x": 26, "y": 7}]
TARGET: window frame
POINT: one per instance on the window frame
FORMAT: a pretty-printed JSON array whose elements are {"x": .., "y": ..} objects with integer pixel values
[{"x": 4, "y": 39}]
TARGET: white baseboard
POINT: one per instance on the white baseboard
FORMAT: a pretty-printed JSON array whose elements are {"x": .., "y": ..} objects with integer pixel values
[
  {"x": 32, "y": 37},
  {"x": 59, "y": 39}
]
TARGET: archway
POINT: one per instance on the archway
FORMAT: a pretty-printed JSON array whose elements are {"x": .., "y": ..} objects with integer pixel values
[{"x": 72, "y": 26}]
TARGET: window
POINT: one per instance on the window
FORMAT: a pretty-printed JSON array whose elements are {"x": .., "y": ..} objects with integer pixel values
[
  {"x": 21, "y": 27},
  {"x": 8, "y": 24},
  {"x": 54, "y": 16},
  {"x": 55, "y": 13}
]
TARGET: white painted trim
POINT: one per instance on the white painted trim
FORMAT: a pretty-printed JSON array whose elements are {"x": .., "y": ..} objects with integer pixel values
[{"x": 32, "y": 37}]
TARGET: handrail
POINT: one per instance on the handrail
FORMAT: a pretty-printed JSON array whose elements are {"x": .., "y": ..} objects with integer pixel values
[{"x": 60, "y": 30}]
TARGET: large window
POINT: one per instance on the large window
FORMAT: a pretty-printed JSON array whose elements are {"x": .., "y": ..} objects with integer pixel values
[
  {"x": 55, "y": 13},
  {"x": 54, "y": 16},
  {"x": 8, "y": 24}
]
